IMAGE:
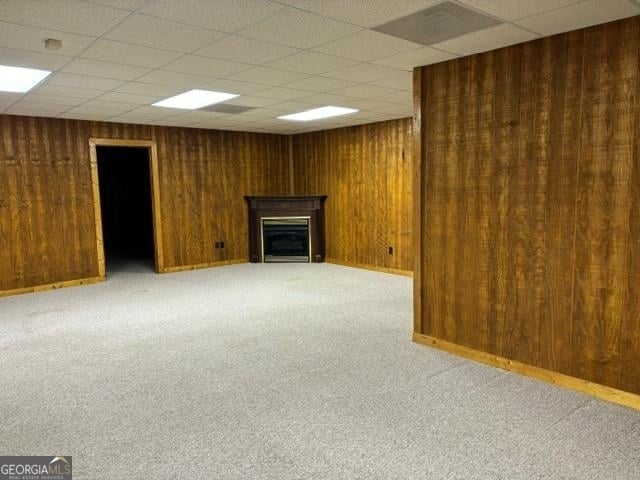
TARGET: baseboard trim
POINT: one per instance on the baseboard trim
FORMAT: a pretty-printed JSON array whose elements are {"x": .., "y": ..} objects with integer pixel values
[
  {"x": 51, "y": 286},
  {"x": 602, "y": 392},
  {"x": 198, "y": 266},
  {"x": 396, "y": 271}
]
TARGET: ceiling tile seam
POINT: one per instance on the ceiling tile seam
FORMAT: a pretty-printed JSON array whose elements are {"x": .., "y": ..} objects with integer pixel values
[
  {"x": 96, "y": 4},
  {"x": 409, "y": 51},
  {"x": 327, "y": 16},
  {"x": 495, "y": 17},
  {"x": 327, "y": 93},
  {"x": 91, "y": 45},
  {"x": 554, "y": 9},
  {"x": 224, "y": 35},
  {"x": 50, "y": 29},
  {"x": 285, "y": 85}
]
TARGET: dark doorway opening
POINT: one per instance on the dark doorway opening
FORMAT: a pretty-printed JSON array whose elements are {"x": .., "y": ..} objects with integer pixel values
[{"x": 124, "y": 177}]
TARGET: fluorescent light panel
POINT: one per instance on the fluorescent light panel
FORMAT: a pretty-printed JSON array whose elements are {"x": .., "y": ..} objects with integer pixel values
[
  {"x": 317, "y": 113},
  {"x": 194, "y": 99},
  {"x": 20, "y": 79}
]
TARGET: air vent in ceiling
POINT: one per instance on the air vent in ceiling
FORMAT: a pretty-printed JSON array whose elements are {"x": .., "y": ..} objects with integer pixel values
[
  {"x": 226, "y": 108},
  {"x": 437, "y": 24}
]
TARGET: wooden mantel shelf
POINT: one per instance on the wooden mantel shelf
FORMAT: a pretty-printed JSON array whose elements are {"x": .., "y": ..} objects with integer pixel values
[{"x": 311, "y": 206}]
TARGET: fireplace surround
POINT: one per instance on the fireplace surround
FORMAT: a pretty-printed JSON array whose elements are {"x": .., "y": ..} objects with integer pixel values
[{"x": 286, "y": 229}]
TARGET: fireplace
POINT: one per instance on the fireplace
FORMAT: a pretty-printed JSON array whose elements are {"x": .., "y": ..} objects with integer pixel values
[
  {"x": 285, "y": 239},
  {"x": 286, "y": 229}
]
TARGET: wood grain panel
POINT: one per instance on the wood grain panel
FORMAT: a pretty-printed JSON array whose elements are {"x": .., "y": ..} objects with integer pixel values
[
  {"x": 366, "y": 171},
  {"x": 47, "y": 225},
  {"x": 606, "y": 290},
  {"x": 529, "y": 209}
]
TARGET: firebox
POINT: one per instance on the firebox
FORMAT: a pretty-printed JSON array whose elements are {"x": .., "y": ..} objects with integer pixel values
[{"x": 286, "y": 239}]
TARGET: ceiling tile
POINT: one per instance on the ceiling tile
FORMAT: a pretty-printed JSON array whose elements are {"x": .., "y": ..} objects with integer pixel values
[
  {"x": 283, "y": 108},
  {"x": 82, "y": 81},
  {"x": 21, "y": 58},
  {"x": 363, "y": 91},
  {"x": 281, "y": 93},
  {"x": 371, "y": 105},
  {"x": 366, "y": 45},
  {"x": 7, "y": 97},
  {"x": 164, "y": 34},
  {"x": 267, "y": 76},
  {"x": 298, "y": 29},
  {"x": 152, "y": 111},
  {"x": 63, "y": 15},
  {"x": 106, "y": 106},
  {"x": 311, "y": 63},
  {"x": 249, "y": 101},
  {"x": 487, "y": 39},
  {"x": 578, "y": 16},
  {"x": 401, "y": 82},
  {"x": 129, "y": 98},
  {"x": 57, "y": 90},
  {"x": 135, "y": 116},
  {"x": 126, "y": 53},
  {"x": 367, "y": 13},
  {"x": 364, "y": 72},
  {"x": 223, "y": 15},
  {"x": 33, "y": 112},
  {"x": 139, "y": 88},
  {"x": 245, "y": 50},
  {"x": 104, "y": 69},
  {"x": 415, "y": 58},
  {"x": 321, "y": 99},
  {"x": 170, "y": 122},
  {"x": 38, "y": 99},
  {"x": 205, "y": 66},
  {"x": 192, "y": 115},
  {"x": 125, "y": 119},
  {"x": 32, "y": 38},
  {"x": 515, "y": 9},
  {"x": 396, "y": 96},
  {"x": 319, "y": 84},
  {"x": 124, "y": 4},
  {"x": 84, "y": 116},
  {"x": 234, "y": 86},
  {"x": 176, "y": 79},
  {"x": 393, "y": 108},
  {"x": 39, "y": 107}
]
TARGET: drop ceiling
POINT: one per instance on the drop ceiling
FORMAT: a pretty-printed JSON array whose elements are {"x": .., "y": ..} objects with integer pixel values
[{"x": 120, "y": 56}]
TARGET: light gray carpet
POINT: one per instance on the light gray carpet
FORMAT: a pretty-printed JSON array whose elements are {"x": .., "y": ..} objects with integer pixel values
[{"x": 289, "y": 371}]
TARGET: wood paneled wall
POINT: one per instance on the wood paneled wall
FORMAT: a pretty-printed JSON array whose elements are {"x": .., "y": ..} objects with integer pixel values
[
  {"x": 366, "y": 173},
  {"x": 530, "y": 203},
  {"x": 47, "y": 229}
]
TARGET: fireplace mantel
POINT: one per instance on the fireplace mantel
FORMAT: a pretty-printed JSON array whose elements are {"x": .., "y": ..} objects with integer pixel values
[{"x": 288, "y": 206}]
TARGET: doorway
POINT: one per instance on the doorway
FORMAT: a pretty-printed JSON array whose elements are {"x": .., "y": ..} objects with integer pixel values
[{"x": 126, "y": 202}]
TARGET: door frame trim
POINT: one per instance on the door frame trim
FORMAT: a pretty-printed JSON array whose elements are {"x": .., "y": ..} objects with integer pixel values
[{"x": 152, "y": 148}]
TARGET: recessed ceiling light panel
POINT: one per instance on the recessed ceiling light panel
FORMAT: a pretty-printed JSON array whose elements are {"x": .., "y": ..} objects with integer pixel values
[
  {"x": 318, "y": 113},
  {"x": 194, "y": 99},
  {"x": 19, "y": 79}
]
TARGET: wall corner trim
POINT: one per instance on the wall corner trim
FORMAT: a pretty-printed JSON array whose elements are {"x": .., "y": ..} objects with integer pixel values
[{"x": 602, "y": 392}]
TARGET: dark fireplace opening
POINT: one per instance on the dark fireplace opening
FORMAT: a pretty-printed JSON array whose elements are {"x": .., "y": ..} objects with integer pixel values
[{"x": 286, "y": 239}]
